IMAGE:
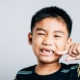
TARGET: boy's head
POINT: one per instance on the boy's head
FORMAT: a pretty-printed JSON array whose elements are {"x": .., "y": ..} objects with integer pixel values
[
  {"x": 50, "y": 32},
  {"x": 53, "y": 12}
]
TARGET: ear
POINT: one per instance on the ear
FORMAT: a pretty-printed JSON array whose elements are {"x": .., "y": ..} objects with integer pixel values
[
  {"x": 69, "y": 42},
  {"x": 30, "y": 38}
]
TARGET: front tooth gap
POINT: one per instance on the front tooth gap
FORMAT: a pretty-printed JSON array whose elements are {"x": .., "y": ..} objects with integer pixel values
[{"x": 47, "y": 51}]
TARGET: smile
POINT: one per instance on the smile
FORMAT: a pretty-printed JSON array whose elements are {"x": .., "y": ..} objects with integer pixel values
[{"x": 46, "y": 52}]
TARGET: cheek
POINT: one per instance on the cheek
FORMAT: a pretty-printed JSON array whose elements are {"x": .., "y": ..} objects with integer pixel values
[
  {"x": 36, "y": 41},
  {"x": 61, "y": 44}
]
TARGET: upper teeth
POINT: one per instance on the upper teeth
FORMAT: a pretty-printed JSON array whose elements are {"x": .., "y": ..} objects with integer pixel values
[{"x": 46, "y": 51}]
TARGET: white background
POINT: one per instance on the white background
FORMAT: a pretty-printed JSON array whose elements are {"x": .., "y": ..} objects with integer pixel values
[{"x": 15, "y": 18}]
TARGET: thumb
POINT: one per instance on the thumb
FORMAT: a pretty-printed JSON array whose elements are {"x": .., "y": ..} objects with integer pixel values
[
  {"x": 62, "y": 52},
  {"x": 69, "y": 58}
]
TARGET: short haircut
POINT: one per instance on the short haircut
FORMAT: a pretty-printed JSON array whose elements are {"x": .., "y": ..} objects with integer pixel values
[{"x": 53, "y": 12}]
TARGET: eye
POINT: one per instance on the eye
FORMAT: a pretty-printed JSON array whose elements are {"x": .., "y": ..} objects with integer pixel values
[
  {"x": 41, "y": 34},
  {"x": 57, "y": 36}
]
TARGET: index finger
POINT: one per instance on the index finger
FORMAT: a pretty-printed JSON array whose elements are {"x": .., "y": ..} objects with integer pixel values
[{"x": 62, "y": 52}]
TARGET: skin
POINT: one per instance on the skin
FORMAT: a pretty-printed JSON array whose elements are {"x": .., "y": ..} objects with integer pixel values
[
  {"x": 73, "y": 51},
  {"x": 49, "y": 34}
]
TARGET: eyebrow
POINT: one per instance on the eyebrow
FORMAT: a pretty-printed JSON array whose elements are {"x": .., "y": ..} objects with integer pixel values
[
  {"x": 59, "y": 31},
  {"x": 40, "y": 29}
]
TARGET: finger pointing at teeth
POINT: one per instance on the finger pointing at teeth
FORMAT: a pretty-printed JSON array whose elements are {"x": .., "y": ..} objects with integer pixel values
[{"x": 62, "y": 52}]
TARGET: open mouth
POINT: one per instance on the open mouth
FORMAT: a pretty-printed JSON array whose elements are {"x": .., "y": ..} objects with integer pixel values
[{"x": 46, "y": 52}]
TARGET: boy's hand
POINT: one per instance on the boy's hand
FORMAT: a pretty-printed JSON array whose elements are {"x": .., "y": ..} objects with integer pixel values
[{"x": 73, "y": 51}]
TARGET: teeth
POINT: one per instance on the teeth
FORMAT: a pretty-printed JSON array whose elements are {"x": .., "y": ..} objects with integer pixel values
[
  {"x": 50, "y": 51},
  {"x": 47, "y": 51}
]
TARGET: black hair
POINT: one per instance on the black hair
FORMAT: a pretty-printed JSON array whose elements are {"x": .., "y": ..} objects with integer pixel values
[{"x": 53, "y": 12}]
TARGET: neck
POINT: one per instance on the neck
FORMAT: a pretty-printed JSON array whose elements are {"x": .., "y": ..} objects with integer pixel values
[{"x": 44, "y": 69}]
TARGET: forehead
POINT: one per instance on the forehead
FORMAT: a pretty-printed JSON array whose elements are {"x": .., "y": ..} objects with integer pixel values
[{"x": 51, "y": 24}]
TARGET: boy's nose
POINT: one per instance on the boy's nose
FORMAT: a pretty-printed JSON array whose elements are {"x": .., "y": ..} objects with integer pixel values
[{"x": 47, "y": 41}]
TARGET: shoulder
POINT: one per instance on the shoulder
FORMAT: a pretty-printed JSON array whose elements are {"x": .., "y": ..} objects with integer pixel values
[
  {"x": 71, "y": 68},
  {"x": 26, "y": 70},
  {"x": 68, "y": 66},
  {"x": 24, "y": 73}
]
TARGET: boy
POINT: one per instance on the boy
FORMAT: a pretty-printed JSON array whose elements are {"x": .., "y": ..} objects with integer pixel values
[{"x": 50, "y": 39}]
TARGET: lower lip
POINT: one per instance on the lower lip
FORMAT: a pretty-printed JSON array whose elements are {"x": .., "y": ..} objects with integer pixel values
[{"x": 45, "y": 54}]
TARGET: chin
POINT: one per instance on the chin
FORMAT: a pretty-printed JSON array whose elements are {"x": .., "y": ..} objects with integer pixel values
[{"x": 48, "y": 61}]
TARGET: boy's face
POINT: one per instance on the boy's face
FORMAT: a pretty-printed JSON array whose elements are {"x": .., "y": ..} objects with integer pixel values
[{"x": 49, "y": 35}]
